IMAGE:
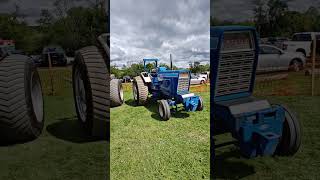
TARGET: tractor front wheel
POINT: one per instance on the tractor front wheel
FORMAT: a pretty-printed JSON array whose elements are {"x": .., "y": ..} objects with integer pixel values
[
  {"x": 291, "y": 135},
  {"x": 164, "y": 110},
  {"x": 140, "y": 91},
  {"x": 200, "y": 104}
]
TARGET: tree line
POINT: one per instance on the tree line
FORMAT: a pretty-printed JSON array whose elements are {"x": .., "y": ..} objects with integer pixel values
[
  {"x": 135, "y": 69},
  {"x": 274, "y": 18},
  {"x": 67, "y": 26}
]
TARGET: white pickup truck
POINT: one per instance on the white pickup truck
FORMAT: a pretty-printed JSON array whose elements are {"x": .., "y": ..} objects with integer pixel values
[{"x": 301, "y": 42}]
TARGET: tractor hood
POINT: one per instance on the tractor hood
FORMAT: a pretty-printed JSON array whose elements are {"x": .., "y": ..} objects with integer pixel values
[{"x": 174, "y": 82}]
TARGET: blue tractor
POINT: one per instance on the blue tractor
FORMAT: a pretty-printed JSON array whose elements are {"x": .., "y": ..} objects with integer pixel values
[
  {"x": 169, "y": 87},
  {"x": 259, "y": 127}
]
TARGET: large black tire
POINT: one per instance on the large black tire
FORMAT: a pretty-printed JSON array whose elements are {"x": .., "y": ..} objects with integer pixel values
[
  {"x": 21, "y": 100},
  {"x": 296, "y": 65},
  {"x": 140, "y": 91},
  {"x": 291, "y": 135},
  {"x": 164, "y": 110},
  {"x": 91, "y": 91},
  {"x": 116, "y": 93}
]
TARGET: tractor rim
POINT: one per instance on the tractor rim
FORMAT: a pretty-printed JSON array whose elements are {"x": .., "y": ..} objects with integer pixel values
[
  {"x": 80, "y": 96},
  {"x": 121, "y": 92},
  {"x": 36, "y": 97},
  {"x": 161, "y": 111},
  {"x": 135, "y": 94},
  {"x": 296, "y": 66}
]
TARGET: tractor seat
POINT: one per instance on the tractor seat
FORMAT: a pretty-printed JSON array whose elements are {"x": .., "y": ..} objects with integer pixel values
[{"x": 153, "y": 72}]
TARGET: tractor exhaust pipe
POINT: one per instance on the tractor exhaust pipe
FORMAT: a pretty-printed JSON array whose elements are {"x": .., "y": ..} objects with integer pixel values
[{"x": 171, "y": 66}]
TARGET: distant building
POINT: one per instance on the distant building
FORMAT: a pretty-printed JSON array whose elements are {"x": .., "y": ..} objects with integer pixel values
[
  {"x": 8, "y": 44},
  {"x": 5, "y": 42}
]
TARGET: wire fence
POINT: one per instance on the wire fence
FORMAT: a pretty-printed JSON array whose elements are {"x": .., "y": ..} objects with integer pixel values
[
  {"x": 287, "y": 83},
  {"x": 58, "y": 81}
]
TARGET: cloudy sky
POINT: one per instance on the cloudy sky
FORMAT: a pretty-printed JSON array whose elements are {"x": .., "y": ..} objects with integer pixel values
[
  {"x": 32, "y": 8},
  {"x": 154, "y": 29},
  {"x": 240, "y": 10}
]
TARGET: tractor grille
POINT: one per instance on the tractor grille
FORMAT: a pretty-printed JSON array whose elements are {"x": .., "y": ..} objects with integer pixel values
[
  {"x": 235, "y": 72},
  {"x": 183, "y": 83}
]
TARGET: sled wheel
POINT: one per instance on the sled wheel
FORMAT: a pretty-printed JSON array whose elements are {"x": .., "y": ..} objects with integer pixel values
[
  {"x": 140, "y": 91},
  {"x": 91, "y": 90},
  {"x": 116, "y": 93},
  {"x": 21, "y": 100},
  {"x": 291, "y": 134},
  {"x": 164, "y": 110},
  {"x": 200, "y": 104}
]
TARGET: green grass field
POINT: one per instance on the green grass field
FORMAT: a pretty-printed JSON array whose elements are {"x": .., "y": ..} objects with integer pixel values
[
  {"x": 61, "y": 152},
  {"x": 144, "y": 147}
]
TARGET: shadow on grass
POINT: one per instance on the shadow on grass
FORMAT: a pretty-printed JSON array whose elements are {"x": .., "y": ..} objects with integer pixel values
[
  {"x": 225, "y": 168},
  {"x": 130, "y": 102},
  {"x": 152, "y": 106},
  {"x": 69, "y": 129}
]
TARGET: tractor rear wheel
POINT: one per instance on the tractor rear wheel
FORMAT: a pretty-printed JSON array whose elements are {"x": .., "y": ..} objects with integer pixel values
[
  {"x": 291, "y": 135},
  {"x": 116, "y": 93},
  {"x": 200, "y": 104},
  {"x": 91, "y": 91},
  {"x": 140, "y": 91},
  {"x": 164, "y": 110},
  {"x": 21, "y": 100}
]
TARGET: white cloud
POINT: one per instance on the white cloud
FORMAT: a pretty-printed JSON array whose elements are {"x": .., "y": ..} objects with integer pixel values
[{"x": 144, "y": 28}]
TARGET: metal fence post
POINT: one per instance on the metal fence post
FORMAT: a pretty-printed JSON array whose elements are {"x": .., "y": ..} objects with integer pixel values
[
  {"x": 313, "y": 64},
  {"x": 50, "y": 73}
]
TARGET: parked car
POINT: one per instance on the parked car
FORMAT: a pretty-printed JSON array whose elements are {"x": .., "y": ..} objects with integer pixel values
[
  {"x": 57, "y": 54},
  {"x": 36, "y": 59},
  {"x": 11, "y": 51},
  {"x": 301, "y": 42},
  {"x": 272, "y": 58},
  {"x": 197, "y": 80},
  {"x": 276, "y": 41},
  {"x": 3, "y": 52},
  {"x": 70, "y": 60},
  {"x": 204, "y": 75}
]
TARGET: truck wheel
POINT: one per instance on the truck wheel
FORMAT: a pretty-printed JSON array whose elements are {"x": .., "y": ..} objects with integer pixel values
[
  {"x": 91, "y": 90},
  {"x": 296, "y": 65},
  {"x": 140, "y": 91},
  {"x": 291, "y": 134},
  {"x": 21, "y": 100},
  {"x": 116, "y": 93},
  {"x": 164, "y": 110},
  {"x": 200, "y": 104}
]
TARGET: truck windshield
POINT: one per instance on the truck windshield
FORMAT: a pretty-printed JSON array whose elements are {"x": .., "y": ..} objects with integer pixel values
[{"x": 301, "y": 37}]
